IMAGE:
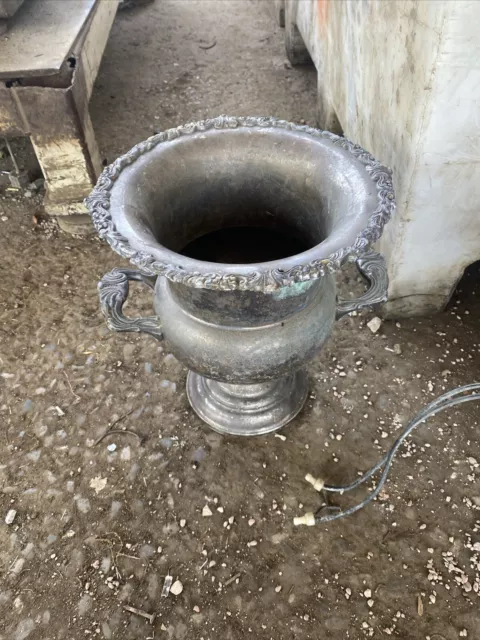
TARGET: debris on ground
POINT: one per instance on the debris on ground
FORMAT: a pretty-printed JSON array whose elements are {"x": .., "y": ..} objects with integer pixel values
[
  {"x": 176, "y": 588},
  {"x": 374, "y": 324},
  {"x": 167, "y": 584},
  {"x": 10, "y": 517},
  {"x": 73, "y": 558}
]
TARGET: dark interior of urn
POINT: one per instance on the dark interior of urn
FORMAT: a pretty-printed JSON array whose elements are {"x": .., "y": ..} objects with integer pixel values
[
  {"x": 221, "y": 224},
  {"x": 240, "y": 197},
  {"x": 244, "y": 245}
]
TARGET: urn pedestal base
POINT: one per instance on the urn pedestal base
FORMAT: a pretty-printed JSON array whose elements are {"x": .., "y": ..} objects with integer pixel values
[{"x": 247, "y": 409}]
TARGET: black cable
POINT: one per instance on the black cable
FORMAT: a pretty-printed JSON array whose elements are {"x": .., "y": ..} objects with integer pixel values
[{"x": 446, "y": 401}]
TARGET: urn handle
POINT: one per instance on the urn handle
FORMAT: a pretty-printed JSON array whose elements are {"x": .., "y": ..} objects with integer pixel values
[
  {"x": 374, "y": 269},
  {"x": 113, "y": 290}
]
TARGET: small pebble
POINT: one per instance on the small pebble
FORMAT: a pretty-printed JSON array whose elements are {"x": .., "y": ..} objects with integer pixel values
[
  {"x": 374, "y": 324},
  {"x": 10, "y": 517},
  {"x": 206, "y": 511},
  {"x": 278, "y": 588},
  {"x": 112, "y": 447},
  {"x": 176, "y": 588},
  {"x": 183, "y": 522}
]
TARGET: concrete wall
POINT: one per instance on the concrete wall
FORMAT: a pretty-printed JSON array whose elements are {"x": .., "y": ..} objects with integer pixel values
[{"x": 403, "y": 79}]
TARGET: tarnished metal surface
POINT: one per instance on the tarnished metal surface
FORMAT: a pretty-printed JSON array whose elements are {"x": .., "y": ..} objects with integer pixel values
[
  {"x": 284, "y": 164},
  {"x": 248, "y": 410},
  {"x": 244, "y": 330}
]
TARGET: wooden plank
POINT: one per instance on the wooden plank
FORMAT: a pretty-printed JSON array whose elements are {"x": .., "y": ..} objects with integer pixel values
[{"x": 41, "y": 36}]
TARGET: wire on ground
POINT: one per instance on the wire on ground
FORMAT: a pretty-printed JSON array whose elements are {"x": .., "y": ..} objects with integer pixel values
[{"x": 327, "y": 513}]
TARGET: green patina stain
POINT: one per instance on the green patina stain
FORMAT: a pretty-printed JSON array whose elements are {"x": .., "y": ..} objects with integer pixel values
[{"x": 292, "y": 290}]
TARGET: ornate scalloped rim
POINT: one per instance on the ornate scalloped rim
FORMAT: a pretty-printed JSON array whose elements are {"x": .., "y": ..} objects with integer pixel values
[{"x": 98, "y": 203}]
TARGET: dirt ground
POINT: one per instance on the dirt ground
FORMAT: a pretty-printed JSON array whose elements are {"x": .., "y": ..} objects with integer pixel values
[{"x": 99, "y": 523}]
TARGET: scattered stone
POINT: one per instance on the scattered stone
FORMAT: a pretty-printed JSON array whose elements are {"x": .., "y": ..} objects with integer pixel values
[
  {"x": 146, "y": 551},
  {"x": 251, "y": 522},
  {"x": 17, "y": 567},
  {"x": 183, "y": 522},
  {"x": 374, "y": 324},
  {"x": 27, "y": 406},
  {"x": 98, "y": 484},
  {"x": 280, "y": 437},
  {"x": 176, "y": 588},
  {"x": 125, "y": 453},
  {"x": 24, "y": 629},
  {"x": 34, "y": 455},
  {"x": 278, "y": 588},
  {"x": 84, "y": 604},
  {"x": 83, "y": 505},
  {"x": 115, "y": 508},
  {"x": 206, "y": 511},
  {"x": 252, "y": 543},
  {"x": 10, "y": 517},
  {"x": 167, "y": 384},
  {"x": 367, "y": 593},
  {"x": 112, "y": 447}
]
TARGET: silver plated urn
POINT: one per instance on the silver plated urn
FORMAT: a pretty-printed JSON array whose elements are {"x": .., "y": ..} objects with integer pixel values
[{"x": 238, "y": 226}]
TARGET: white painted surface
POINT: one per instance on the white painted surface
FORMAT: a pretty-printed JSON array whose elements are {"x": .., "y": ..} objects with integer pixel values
[{"x": 403, "y": 77}]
